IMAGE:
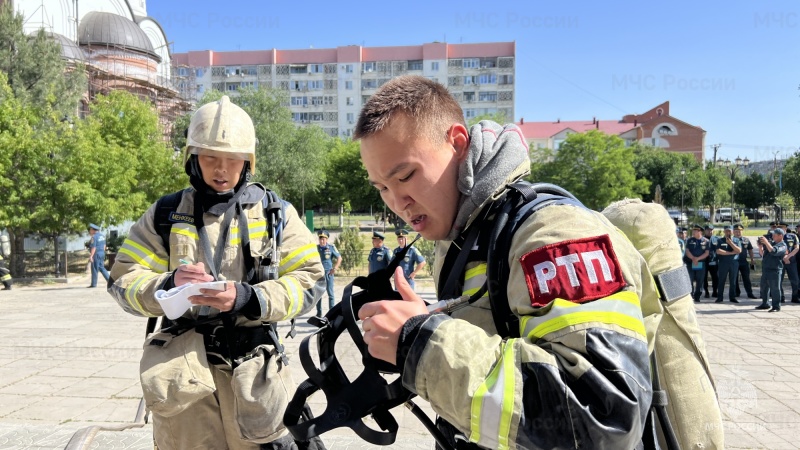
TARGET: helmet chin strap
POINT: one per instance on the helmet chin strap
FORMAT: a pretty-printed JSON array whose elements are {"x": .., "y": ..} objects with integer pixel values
[{"x": 192, "y": 169}]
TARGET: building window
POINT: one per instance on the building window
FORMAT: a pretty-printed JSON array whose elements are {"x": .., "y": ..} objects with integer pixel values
[
  {"x": 328, "y": 100},
  {"x": 300, "y": 117},
  {"x": 487, "y": 96},
  {"x": 351, "y": 117},
  {"x": 369, "y": 84},
  {"x": 435, "y": 66},
  {"x": 316, "y": 85},
  {"x": 298, "y": 68},
  {"x": 198, "y": 73},
  {"x": 183, "y": 72},
  {"x": 200, "y": 88},
  {"x": 298, "y": 101},
  {"x": 368, "y": 67},
  {"x": 348, "y": 85},
  {"x": 470, "y": 63},
  {"x": 488, "y": 63},
  {"x": 348, "y": 68},
  {"x": 232, "y": 86},
  {"x": 470, "y": 79},
  {"x": 298, "y": 85},
  {"x": 232, "y": 70},
  {"x": 415, "y": 65},
  {"x": 349, "y": 101},
  {"x": 315, "y": 117},
  {"x": 364, "y": 99},
  {"x": 469, "y": 96},
  {"x": 505, "y": 79},
  {"x": 248, "y": 84},
  {"x": 317, "y": 100},
  {"x": 487, "y": 79},
  {"x": 316, "y": 68}
]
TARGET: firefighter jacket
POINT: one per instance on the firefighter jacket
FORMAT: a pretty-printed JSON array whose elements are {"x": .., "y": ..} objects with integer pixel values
[
  {"x": 578, "y": 377},
  {"x": 143, "y": 265}
]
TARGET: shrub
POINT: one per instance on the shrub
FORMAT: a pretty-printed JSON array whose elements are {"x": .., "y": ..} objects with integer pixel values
[
  {"x": 351, "y": 247},
  {"x": 426, "y": 247}
]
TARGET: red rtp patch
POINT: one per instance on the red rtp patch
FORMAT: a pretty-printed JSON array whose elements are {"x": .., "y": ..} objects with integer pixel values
[{"x": 580, "y": 270}]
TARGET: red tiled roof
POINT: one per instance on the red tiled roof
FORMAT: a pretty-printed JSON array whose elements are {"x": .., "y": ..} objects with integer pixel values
[{"x": 543, "y": 130}]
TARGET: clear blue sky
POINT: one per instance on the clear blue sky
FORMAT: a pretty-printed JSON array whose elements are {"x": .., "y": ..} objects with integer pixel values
[{"x": 732, "y": 68}]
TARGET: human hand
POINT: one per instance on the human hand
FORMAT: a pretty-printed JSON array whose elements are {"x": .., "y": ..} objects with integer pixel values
[
  {"x": 383, "y": 320},
  {"x": 332, "y": 271},
  {"x": 412, "y": 275},
  {"x": 191, "y": 273},
  {"x": 221, "y": 300}
]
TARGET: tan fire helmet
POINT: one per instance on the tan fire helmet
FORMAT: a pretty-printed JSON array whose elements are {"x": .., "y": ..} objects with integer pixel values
[{"x": 224, "y": 127}]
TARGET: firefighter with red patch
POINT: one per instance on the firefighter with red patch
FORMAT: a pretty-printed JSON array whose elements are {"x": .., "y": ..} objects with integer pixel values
[{"x": 578, "y": 377}]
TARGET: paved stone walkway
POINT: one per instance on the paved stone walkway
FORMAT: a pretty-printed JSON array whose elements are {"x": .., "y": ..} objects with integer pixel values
[{"x": 69, "y": 359}]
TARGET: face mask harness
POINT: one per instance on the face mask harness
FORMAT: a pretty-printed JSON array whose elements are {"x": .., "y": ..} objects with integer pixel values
[{"x": 370, "y": 393}]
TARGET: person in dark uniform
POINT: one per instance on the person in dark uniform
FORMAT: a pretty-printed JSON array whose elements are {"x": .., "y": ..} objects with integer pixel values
[
  {"x": 728, "y": 251},
  {"x": 97, "y": 253},
  {"x": 789, "y": 261},
  {"x": 772, "y": 266},
  {"x": 331, "y": 259},
  {"x": 380, "y": 255},
  {"x": 697, "y": 252},
  {"x": 711, "y": 262},
  {"x": 744, "y": 264},
  {"x": 413, "y": 257},
  {"x": 681, "y": 240}
]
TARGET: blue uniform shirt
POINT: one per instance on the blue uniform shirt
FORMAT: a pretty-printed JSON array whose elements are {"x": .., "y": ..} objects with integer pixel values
[
  {"x": 746, "y": 247},
  {"x": 713, "y": 243},
  {"x": 328, "y": 253},
  {"x": 98, "y": 242},
  {"x": 412, "y": 258},
  {"x": 697, "y": 247},
  {"x": 791, "y": 243},
  {"x": 774, "y": 260},
  {"x": 723, "y": 245},
  {"x": 379, "y": 258}
]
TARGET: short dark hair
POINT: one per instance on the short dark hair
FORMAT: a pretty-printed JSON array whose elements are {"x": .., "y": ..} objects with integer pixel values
[{"x": 429, "y": 104}]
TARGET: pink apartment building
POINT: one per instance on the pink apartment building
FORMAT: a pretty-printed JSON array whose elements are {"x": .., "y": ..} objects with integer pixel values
[{"x": 328, "y": 86}]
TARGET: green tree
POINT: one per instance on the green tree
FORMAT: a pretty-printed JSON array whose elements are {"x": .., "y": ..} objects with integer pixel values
[
  {"x": 790, "y": 178},
  {"x": 663, "y": 168},
  {"x": 498, "y": 117},
  {"x": 596, "y": 168},
  {"x": 427, "y": 249},
  {"x": 351, "y": 247},
  {"x": 754, "y": 191},
  {"x": 347, "y": 180}
]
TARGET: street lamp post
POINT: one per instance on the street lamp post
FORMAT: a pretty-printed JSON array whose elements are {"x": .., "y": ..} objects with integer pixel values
[
  {"x": 733, "y": 203},
  {"x": 683, "y": 177}
]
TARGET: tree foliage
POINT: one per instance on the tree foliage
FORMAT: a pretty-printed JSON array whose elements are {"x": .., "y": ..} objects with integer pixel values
[
  {"x": 347, "y": 179},
  {"x": 595, "y": 167},
  {"x": 497, "y": 117},
  {"x": 351, "y": 247},
  {"x": 663, "y": 168}
]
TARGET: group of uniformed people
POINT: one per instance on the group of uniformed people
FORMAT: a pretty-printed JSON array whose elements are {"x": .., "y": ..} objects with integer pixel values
[{"x": 724, "y": 258}]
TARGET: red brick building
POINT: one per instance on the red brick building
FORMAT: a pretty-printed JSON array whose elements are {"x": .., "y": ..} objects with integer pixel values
[{"x": 655, "y": 127}]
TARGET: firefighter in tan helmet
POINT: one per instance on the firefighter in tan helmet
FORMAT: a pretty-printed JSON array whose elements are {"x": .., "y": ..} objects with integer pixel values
[{"x": 214, "y": 376}]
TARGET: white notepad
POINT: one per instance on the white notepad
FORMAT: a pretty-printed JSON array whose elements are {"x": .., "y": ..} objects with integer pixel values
[{"x": 175, "y": 301}]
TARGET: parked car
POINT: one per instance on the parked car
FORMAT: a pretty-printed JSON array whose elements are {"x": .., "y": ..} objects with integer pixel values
[
  {"x": 724, "y": 215},
  {"x": 678, "y": 217},
  {"x": 751, "y": 213}
]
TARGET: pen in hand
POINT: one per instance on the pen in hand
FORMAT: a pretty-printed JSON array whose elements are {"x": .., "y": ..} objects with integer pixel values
[{"x": 183, "y": 261}]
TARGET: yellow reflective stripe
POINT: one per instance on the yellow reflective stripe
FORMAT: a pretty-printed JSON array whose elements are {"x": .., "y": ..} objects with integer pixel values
[
  {"x": 132, "y": 291},
  {"x": 492, "y": 405},
  {"x": 295, "y": 292},
  {"x": 185, "y": 229},
  {"x": 621, "y": 309},
  {"x": 474, "y": 279},
  {"x": 143, "y": 256},
  {"x": 255, "y": 230},
  {"x": 297, "y": 258}
]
